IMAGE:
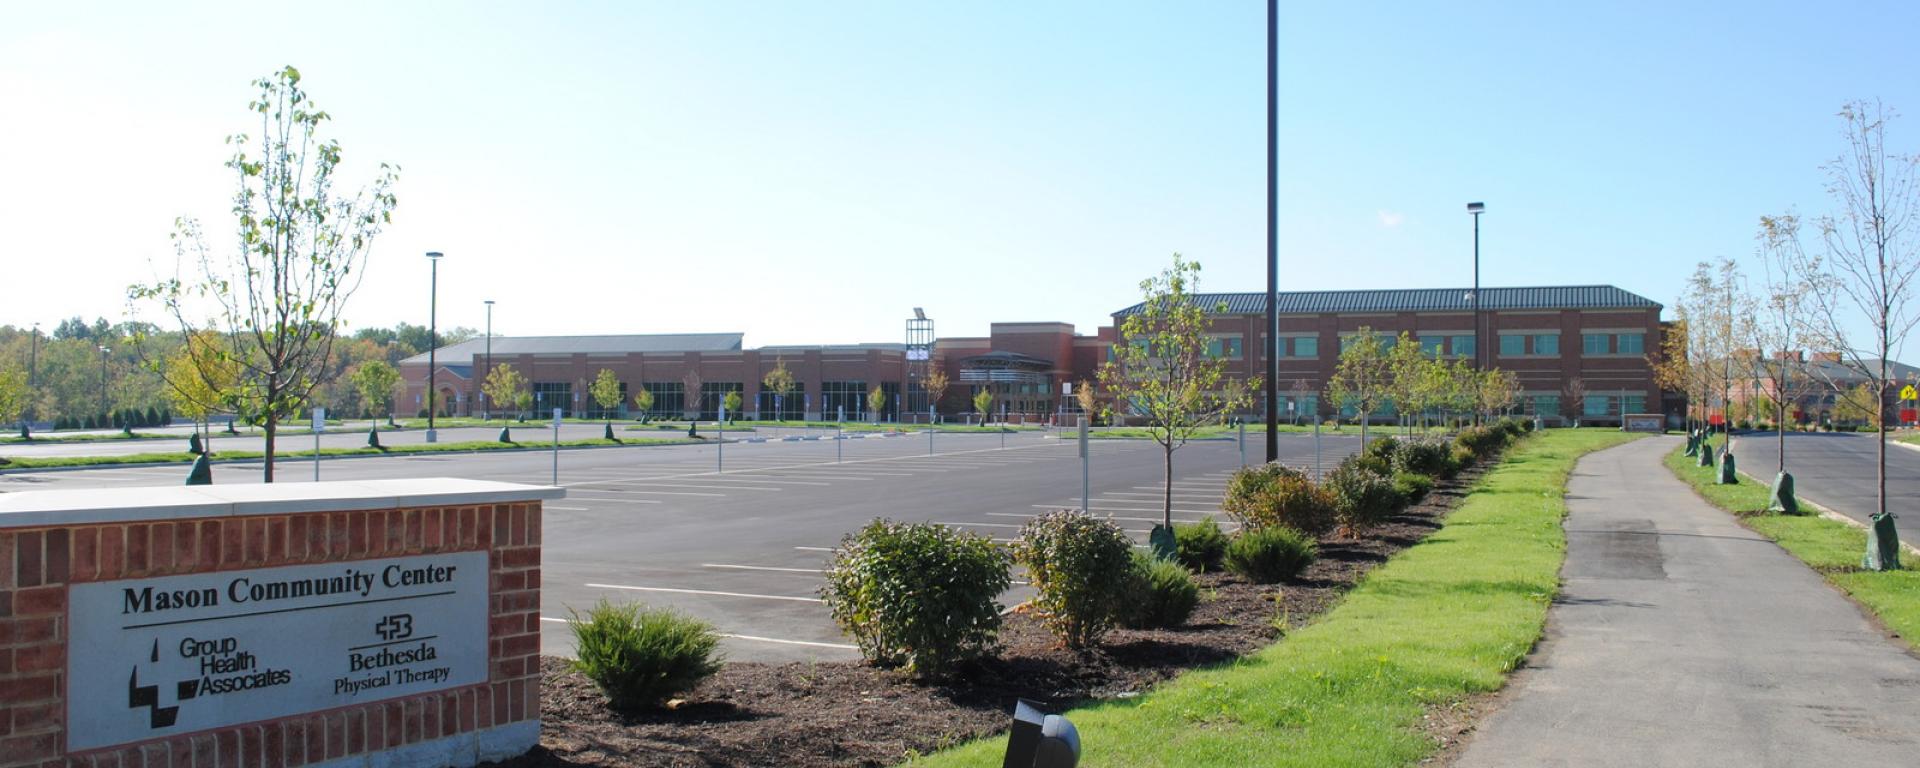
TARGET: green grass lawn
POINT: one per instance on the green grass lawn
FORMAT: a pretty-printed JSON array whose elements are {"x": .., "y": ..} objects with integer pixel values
[
  {"x": 1831, "y": 547},
  {"x": 183, "y": 457},
  {"x": 1445, "y": 619}
]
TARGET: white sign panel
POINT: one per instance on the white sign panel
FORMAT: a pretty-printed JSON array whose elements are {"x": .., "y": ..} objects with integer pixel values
[{"x": 149, "y": 658}]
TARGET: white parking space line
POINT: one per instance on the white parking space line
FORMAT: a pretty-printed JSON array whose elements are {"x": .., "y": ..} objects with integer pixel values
[
  {"x": 567, "y": 509},
  {"x": 693, "y": 485},
  {"x": 678, "y": 591},
  {"x": 658, "y": 493},
  {"x": 615, "y": 501},
  {"x": 815, "y": 571}
]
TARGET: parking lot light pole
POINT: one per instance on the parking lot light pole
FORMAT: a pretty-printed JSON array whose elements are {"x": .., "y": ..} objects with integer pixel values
[
  {"x": 33, "y": 374},
  {"x": 1273, "y": 234},
  {"x": 103, "y": 383},
  {"x": 1475, "y": 209},
  {"x": 433, "y": 338},
  {"x": 486, "y": 407}
]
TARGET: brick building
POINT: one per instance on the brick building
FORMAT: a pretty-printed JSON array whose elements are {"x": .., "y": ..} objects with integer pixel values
[{"x": 1600, "y": 335}]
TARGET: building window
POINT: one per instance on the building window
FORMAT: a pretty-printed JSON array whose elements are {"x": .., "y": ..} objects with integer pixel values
[
  {"x": 1597, "y": 406},
  {"x": 1432, "y": 345},
  {"x": 835, "y": 395},
  {"x": 548, "y": 395},
  {"x": 1512, "y": 345},
  {"x": 1463, "y": 345},
  {"x": 1632, "y": 343},
  {"x": 1636, "y": 404},
  {"x": 1593, "y": 344},
  {"x": 1546, "y": 344},
  {"x": 1306, "y": 346},
  {"x": 1546, "y": 405},
  {"x": 669, "y": 398},
  {"x": 594, "y": 411},
  {"x": 788, "y": 407},
  {"x": 713, "y": 394},
  {"x": 1228, "y": 347}
]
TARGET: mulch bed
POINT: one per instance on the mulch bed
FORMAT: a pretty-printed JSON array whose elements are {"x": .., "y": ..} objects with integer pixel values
[{"x": 817, "y": 715}]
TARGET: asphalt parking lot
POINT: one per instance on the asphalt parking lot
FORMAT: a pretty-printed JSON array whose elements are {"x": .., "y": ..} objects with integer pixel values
[
  {"x": 737, "y": 536},
  {"x": 1837, "y": 470}
]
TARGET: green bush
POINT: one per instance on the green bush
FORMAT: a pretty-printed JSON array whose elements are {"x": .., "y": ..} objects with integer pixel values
[
  {"x": 639, "y": 658},
  {"x": 1432, "y": 458},
  {"x": 1461, "y": 458},
  {"x": 1082, "y": 567},
  {"x": 1483, "y": 441},
  {"x": 1272, "y": 495},
  {"x": 1362, "y": 498},
  {"x": 1382, "y": 447},
  {"x": 1370, "y": 463},
  {"x": 1270, "y": 555},
  {"x": 1413, "y": 486},
  {"x": 1200, "y": 546},
  {"x": 1164, "y": 594},
  {"x": 917, "y": 595}
]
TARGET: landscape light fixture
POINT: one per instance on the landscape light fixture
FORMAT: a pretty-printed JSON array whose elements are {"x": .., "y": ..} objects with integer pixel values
[
  {"x": 433, "y": 339},
  {"x": 1475, "y": 209}
]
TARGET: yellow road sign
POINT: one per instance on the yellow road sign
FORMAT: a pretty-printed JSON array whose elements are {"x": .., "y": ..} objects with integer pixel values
[{"x": 1907, "y": 392}]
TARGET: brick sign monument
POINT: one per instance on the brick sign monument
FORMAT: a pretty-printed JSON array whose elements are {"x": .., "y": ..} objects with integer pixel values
[{"x": 364, "y": 623}]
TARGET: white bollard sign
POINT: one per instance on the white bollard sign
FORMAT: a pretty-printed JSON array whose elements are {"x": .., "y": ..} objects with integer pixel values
[{"x": 154, "y": 657}]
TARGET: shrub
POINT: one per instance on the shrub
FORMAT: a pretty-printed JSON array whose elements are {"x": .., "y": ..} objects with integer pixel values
[
  {"x": 1270, "y": 555},
  {"x": 1382, "y": 447},
  {"x": 637, "y": 657},
  {"x": 1200, "y": 546},
  {"x": 918, "y": 596},
  {"x": 1272, "y": 495},
  {"x": 1362, "y": 498},
  {"x": 1370, "y": 463},
  {"x": 1081, "y": 567},
  {"x": 1461, "y": 458},
  {"x": 1483, "y": 441},
  {"x": 1164, "y": 594},
  {"x": 1413, "y": 486},
  {"x": 1427, "y": 457}
]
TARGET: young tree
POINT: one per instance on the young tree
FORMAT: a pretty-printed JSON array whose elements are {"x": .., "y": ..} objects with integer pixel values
[
  {"x": 200, "y": 381},
  {"x": 1673, "y": 370},
  {"x": 376, "y": 380},
  {"x": 1088, "y": 400},
  {"x": 277, "y": 302},
  {"x": 936, "y": 388},
  {"x": 1363, "y": 379},
  {"x": 693, "y": 397},
  {"x": 876, "y": 402},
  {"x": 605, "y": 391},
  {"x": 778, "y": 381},
  {"x": 1411, "y": 388},
  {"x": 1161, "y": 371},
  {"x": 506, "y": 386},
  {"x": 1575, "y": 405},
  {"x": 1859, "y": 405},
  {"x": 643, "y": 402},
  {"x": 1299, "y": 391},
  {"x": 983, "y": 402},
  {"x": 1497, "y": 391},
  {"x": 1780, "y": 327},
  {"x": 1866, "y": 270}
]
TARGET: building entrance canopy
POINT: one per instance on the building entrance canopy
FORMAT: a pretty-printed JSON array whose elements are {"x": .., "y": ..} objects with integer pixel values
[{"x": 1004, "y": 368}]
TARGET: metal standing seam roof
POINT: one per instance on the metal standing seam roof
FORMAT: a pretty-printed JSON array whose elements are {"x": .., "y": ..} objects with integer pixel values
[
  {"x": 464, "y": 352},
  {"x": 1424, "y": 300}
]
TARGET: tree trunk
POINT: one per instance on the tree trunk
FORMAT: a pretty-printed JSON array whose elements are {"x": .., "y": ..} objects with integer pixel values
[
  {"x": 273, "y": 425},
  {"x": 1166, "y": 509},
  {"x": 1781, "y": 425}
]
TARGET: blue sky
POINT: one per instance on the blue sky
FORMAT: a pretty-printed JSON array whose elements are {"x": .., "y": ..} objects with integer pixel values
[{"x": 810, "y": 172}]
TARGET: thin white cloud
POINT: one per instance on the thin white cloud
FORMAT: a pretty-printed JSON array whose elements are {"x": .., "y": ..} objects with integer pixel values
[{"x": 1391, "y": 219}]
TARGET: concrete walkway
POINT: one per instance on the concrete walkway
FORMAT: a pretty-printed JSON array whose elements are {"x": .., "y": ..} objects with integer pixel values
[{"x": 1682, "y": 639}]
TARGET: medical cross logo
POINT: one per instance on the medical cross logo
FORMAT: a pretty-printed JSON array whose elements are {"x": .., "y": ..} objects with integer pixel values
[
  {"x": 399, "y": 626},
  {"x": 149, "y": 695}
]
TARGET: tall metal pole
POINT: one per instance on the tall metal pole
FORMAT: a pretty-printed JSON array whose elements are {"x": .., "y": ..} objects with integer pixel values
[
  {"x": 1273, "y": 230},
  {"x": 103, "y": 385},
  {"x": 433, "y": 339},
  {"x": 33, "y": 373},
  {"x": 1479, "y": 346},
  {"x": 486, "y": 410}
]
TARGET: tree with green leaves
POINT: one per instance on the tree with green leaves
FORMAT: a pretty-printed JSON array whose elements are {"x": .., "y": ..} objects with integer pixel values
[
  {"x": 983, "y": 402},
  {"x": 1412, "y": 381},
  {"x": 732, "y": 403},
  {"x": 1498, "y": 390},
  {"x": 13, "y": 397},
  {"x": 276, "y": 303},
  {"x": 505, "y": 385},
  {"x": 937, "y": 384},
  {"x": 606, "y": 393},
  {"x": 200, "y": 381},
  {"x": 876, "y": 402},
  {"x": 1363, "y": 379},
  {"x": 779, "y": 382},
  {"x": 1161, "y": 370},
  {"x": 375, "y": 380},
  {"x": 643, "y": 402}
]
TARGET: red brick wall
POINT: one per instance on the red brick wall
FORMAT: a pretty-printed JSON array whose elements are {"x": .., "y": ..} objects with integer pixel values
[{"x": 38, "y": 564}]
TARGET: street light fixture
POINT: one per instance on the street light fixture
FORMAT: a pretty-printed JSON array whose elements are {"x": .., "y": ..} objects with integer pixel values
[
  {"x": 1475, "y": 209},
  {"x": 433, "y": 340},
  {"x": 484, "y": 405}
]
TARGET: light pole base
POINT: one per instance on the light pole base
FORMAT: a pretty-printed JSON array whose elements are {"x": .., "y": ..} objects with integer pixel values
[{"x": 433, "y": 436}]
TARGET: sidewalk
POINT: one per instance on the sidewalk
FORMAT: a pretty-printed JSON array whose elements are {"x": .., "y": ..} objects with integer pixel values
[{"x": 1682, "y": 639}]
